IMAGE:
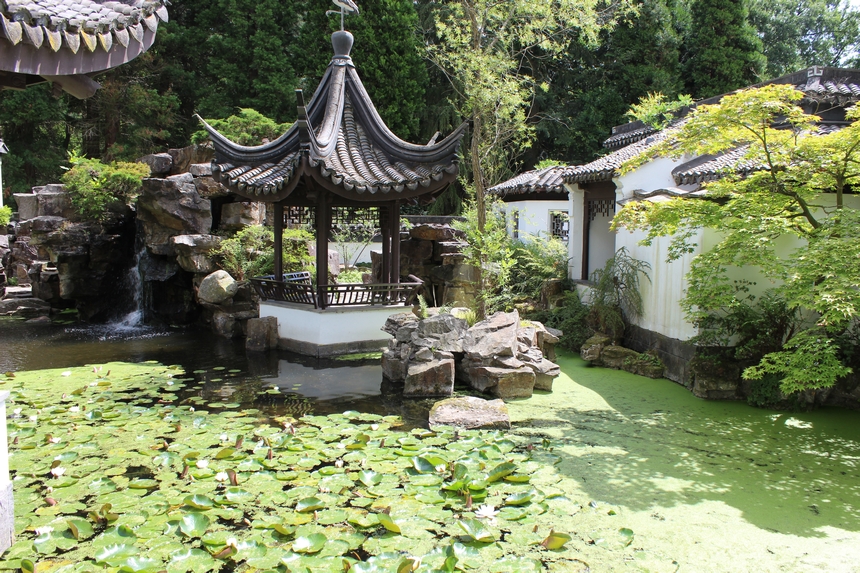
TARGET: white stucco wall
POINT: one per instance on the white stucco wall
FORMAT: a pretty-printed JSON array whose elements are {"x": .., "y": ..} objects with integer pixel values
[
  {"x": 334, "y": 325},
  {"x": 534, "y": 216}
]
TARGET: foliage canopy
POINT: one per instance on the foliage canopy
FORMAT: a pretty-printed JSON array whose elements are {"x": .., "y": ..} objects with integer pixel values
[{"x": 788, "y": 215}]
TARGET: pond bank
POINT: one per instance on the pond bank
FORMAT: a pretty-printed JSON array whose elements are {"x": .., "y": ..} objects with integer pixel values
[{"x": 711, "y": 486}]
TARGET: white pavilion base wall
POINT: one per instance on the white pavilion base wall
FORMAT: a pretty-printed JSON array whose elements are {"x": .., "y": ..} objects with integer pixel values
[
  {"x": 534, "y": 216},
  {"x": 335, "y": 330}
]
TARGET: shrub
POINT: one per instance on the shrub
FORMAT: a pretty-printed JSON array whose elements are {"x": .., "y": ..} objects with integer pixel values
[
  {"x": 5, "y": 217},
  {"x": 250, "y": 252},
  {"x": 615, "y": 296},
  {"x": 570, "y": 318},
  {"x": 536, "y": 261},
  {"x": 93, "y": 185},
  {"x": 350, "y": 276},
  {"x": 248, "y": 127}
]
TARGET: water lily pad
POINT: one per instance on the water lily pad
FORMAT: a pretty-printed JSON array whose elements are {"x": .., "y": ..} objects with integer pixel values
[
  {"x": 310, "y": 543},
  {"x": 520, "y": 498},
  {"x": 476, "y": 530},
  {"x": 198, "y": 501},
  {"x": 512, "y": 564},
  {"x": 193, "y": 524},
  {"x": 309, "y": 504},
  {"x": 140, "y": 565},
  {"x": 388, "y": 523},
  {"x": 114, "y": 555}
]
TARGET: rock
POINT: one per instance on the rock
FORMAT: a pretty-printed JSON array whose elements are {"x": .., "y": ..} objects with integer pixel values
[
  {"x": 28, "y": 206},
  {"x": 446, "y": 330},
  {"x": 24, "y": 307},
  {"x": 394, "y": 366},
  {"x": 207, "y": 187},
  {"x": 170, "y": 207},
  {"x": 432, "y": 378},
  {"x": 432, "y": 232},
  {"x": 503, "y": 382},
  {"x": 262, "y": 334},
  {"x": 200, "y": 169},
  {"x": 591, "y": 348},
  {"x": 53, "y": 201},
  {"x": 613, "y": 356},
  {"x": 193, "y": 252},
  {"x": 185, "y": 157},
  {"x": 39, "y": 320},
  {"x": 397, "y": 321},
  {"x": 470, "y": 413},
  {"x": 224, "y": 324},
  {"x": 493, "y": 336},
  {"x": 217, "y": 287},
  {"x": 159, "y": 163},
  {"x": 235, "y": 216}
]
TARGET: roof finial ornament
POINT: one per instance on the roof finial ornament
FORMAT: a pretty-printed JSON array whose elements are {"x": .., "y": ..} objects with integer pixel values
[{"x": 346, "y": 7}]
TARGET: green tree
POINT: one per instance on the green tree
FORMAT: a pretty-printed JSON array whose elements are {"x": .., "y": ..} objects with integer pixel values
[
  {"x": 800, "y": 33},
  {"x": 799, "y": 192},
  {"x": 37, "y": 129},
  {"x": 723, "y": 52},
  {"x": 486, "y": 48}
]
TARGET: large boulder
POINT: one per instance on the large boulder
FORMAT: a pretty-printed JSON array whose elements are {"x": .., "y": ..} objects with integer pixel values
[
  {"x": 262, "y": 334},
  {"x": 170, "y": 207},
  {"x": 217, "y": 287},
  {"x": 434, "y": 377},
  {"x": 236, "y": 216},
  {"x": 444, "y": 332},
  {"x": 470, "y": 413},
  {"x": 193, "y": 252},
  {"x": 506, "y": 383},
  {"x": 493, "y": 337},
  {"x": 159, "y": 163}
]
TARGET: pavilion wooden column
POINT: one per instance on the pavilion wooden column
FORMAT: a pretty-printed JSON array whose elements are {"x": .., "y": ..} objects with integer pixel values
[
  {"x": 394, "y": 221},
  {"x": 385, "y": 229},
  {"x": 323, "y": 224},
  {"x": 279, "y": 241}
]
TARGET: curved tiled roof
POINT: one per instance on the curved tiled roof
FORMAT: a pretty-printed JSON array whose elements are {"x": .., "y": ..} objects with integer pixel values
[
  {"x": 342, "y": 143},
  {"x": 626, "y": 134},
  {"x": 605, "y": 168},
  {"x": 79, "y": 25},
  {"x": 546, "y": 180}
]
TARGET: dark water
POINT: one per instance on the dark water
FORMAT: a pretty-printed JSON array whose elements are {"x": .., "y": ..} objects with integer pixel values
[{"x": 305, "y": 385}]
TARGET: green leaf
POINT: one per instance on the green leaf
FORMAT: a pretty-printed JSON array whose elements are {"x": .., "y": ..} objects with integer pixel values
[
  {"x": 476, "y": 530},
  {"x": 27, "y": 566},
  {"x": 198, "y": 501},
  {"x": 520, "y": 498},
  {"x": 80, "y": 528},
  {"x": 225, "y": 453},
  {"x": 626, "y": 536},
  {"x": 501, "y": 471},
  {"x": 140, "y": 565},
  {"x": 310, "y": 543},
  {"x": 388, "y": 523},
  {"x": 114, "y": 555},
  {"x": 556, "y": 540},
  {"x": 193, "y": 524},
  {"x": 369, "y": 478},
  {"x": 309, "y": 504}
]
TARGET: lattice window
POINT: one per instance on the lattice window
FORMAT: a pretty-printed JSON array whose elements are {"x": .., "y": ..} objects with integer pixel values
[
  {"x": 559, "y": 225},
  {"x": 299, "y": 217},
  {"x": 605, "y": 207}
]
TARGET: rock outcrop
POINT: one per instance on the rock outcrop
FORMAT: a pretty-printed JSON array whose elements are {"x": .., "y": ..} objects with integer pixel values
[
  {"x": 599, "y": 351},
  {"x": 500, "y": 355},
  {"x": 470, "y": 413}
]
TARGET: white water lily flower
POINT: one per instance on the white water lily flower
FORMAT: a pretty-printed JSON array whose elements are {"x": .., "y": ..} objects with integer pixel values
[
  {"x": 94, "y": 384},
  {"x": 17, "y": 411},
  {"x": 440, "y": 469},
  {"x": 374, "y": 427},
  {"x": 224, "y": 438},
  {"x": 202, "y": 464},
  {"x": 58, "y": 471},
  {"x": 75, "y": 409},
  {"x": 33, "y": 418},
  {"x": 338, "y": 463},
  {"x": 487, "y": 512},
  {"x": 221, "y": 476},
  {"x": 191, "y": 408},
  {"x": 54, "y": 440},
  {"x": 232, "y": 542},
  {"x": 44, "y": 529},
  {"x": 66, "y": 373},
  {"x": 170, "y": 382}
]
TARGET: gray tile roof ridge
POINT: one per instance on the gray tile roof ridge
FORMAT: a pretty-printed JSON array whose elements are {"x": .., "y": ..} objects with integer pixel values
[{"x": 546, "y": 180}]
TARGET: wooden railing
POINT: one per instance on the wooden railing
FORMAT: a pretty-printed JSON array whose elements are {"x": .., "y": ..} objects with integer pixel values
[{"x": 301, "y": 292}]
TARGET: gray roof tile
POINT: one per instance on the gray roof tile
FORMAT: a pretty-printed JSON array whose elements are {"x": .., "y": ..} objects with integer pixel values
[
  {"x": 546, "y": 180},
  {"x": 343, "y": 144},
  {"x": 57, "y": 15}
]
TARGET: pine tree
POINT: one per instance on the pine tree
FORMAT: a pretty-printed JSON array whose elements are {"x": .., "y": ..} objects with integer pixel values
[{"x": 723, "y": 51}]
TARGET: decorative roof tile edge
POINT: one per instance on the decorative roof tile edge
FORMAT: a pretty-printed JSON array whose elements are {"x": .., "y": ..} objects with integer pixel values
[{"x": 40, "y": 31}]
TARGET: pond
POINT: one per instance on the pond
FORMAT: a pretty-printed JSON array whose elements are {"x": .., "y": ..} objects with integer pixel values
[{"x": 706, "y": 486}]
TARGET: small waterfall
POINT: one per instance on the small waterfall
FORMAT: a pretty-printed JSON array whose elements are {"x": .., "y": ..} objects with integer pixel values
[{"x": 134, "y": 284}]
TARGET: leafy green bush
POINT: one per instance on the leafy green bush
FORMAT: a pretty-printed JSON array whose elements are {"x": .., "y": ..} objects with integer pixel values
[
  {"x": 351, "y": 276},
  {"x": 249, "y": 127},
  {"x": 250, "y": 252},
  {"x": 615, "y": 296},
  {"x": 5, "y": 217},
  {"x": 569, "y": 317},
  {"x": 537, "y": 260},
  {"x": 93, "y": 185}
]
